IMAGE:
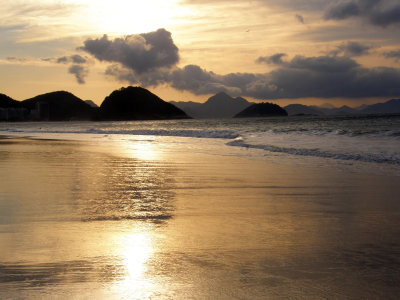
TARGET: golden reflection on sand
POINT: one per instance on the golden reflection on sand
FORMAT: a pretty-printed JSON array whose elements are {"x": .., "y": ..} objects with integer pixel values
[
  {"x": 139, "y": 149},
  {"x": 135, "y": 250}
]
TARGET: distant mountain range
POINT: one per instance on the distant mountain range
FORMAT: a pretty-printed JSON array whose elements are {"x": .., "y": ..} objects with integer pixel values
[
  {"x": 222, "y": 105},
  {"x": 136, "y": 103},
  {"x": 388, "y": 107},
  {"x": 218, "y": 106}
]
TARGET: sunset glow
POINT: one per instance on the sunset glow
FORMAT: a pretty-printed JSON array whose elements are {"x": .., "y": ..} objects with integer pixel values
[{"x": 231, "y": 45}]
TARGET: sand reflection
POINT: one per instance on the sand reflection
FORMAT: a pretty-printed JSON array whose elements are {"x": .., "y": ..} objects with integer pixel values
[
  {"x": 141, "y": 149},
  {"x": 135, "y": 250},
  {"x": 86, "y": 216}
]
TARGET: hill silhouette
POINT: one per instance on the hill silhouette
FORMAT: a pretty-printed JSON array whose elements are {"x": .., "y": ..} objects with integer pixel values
[
  {"x": 391, "y": 106},
  {"x": 219, "y": 106},
  {"x": 299, "y": 109},
  {"x": 137, "y": 103},
  {"x": 6, "y": 101},
  {"x": 262, "y": 110},
  {"x": 59, "y": 106}
]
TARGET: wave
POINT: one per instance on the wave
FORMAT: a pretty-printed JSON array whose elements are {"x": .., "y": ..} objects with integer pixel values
[
  {"x": 339, "y": 132},
  {"x": 128, "y": 217},
  {"x": 217, "y": 134},
  {"x": 363, "y": 157}
]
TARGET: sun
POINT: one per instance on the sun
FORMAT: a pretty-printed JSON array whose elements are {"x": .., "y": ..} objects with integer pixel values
[{"x": 123, "y": 17}]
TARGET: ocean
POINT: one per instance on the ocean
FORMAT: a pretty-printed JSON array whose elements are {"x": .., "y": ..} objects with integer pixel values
[
  {"x": 265, "y": 208},
  {"x": 374, "y": 138}
]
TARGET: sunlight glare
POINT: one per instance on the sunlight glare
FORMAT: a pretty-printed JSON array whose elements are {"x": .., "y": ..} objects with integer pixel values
[
  {"x": 136, "y": 249},
  {"x": 131, "y": 17},
  {"x": 142, "y": 150}
]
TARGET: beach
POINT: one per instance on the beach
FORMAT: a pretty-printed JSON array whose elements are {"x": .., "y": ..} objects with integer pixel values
[{"x": 145, "y": 218}]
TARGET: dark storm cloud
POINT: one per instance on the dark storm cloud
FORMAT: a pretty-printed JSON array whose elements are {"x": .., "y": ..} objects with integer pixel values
[
  {"x": 322, "y": 64},
  {"x": 299, "y": 77},
  {"x": 342, "y": 10},
  {"x": 199, "y": 81},
  {"x": 150, "y": 78},
  {"x": 80, "y": 72},
  {"x": 351, "y": 82},
  {"x": 323, "y": 77},
  {"x": 354, "y": 49},
  {"x": 377, "y": 12},
  {"x": 326, "y": 64},
  {"x": 140, "y": 53}
]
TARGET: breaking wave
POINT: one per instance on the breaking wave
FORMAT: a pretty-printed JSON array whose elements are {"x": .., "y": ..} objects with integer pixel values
[{"x": 389, "y": 158}]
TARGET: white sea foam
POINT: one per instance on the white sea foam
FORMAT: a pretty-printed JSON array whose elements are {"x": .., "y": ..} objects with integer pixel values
[{"x": 381, "y": 157}]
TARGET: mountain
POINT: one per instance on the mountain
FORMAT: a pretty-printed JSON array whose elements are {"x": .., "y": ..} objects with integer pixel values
[
  {"x": 344, "y": 110},
  {"x": 222, "y": 105},
  {"x": 218, "y": 106},
  {"x": 262, "y": 110},
  {"x": 326, "y": 105},
  {"x": 191, "y": 108},
  {"x": 136, "y": 103},
  {"x": 6, "y": 101},
  {"x": 388, "y": 107},
  {"x": 299, "y": 109},
  {"x": 91, "y": 103},
  {"x": 58, "y": 106}
]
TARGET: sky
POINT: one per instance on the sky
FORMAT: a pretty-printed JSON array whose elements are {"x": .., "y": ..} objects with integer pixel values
[{"x": 310, "y": 52}]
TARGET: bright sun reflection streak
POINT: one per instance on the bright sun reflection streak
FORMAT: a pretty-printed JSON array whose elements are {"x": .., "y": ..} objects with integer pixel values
[
  {"x": 136, "y": 249},
  {"x": 142, "y": 150}
]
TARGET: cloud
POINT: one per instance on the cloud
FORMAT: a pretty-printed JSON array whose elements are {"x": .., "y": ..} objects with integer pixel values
[
  {"x": 80, "y": 72},
  {"x": 342, "y": 10},
  {"x": 352, "y": 48},
  {"x": 275, "y": 59},
  {"x": 322, "y": 77},
  {"x": 78, "y": 65},
  {"x": 377, "y": 12},
  {"x": 392, "y": 54},
  {"x": 299, "y": 77},
  {"x": 199, "y": 81},
  {"x": 76, "y": 59},
  {"x": 16, "y": 59},
  {"x": 140, "y": 53},
  {"x": 326, "y": 64}
]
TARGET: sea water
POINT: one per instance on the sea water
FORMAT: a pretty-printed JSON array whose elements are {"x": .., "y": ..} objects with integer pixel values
[{"x": 373, "y": 138}]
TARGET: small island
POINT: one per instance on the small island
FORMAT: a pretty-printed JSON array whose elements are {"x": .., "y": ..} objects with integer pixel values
[{"x": 262, "y": 110}]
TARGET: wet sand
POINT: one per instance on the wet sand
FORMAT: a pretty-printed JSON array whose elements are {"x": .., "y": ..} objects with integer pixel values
[{"x": 141, "y": 220}]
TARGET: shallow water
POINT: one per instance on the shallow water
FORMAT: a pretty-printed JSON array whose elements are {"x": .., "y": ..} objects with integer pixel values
[{"x": 145, "y": 218}]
